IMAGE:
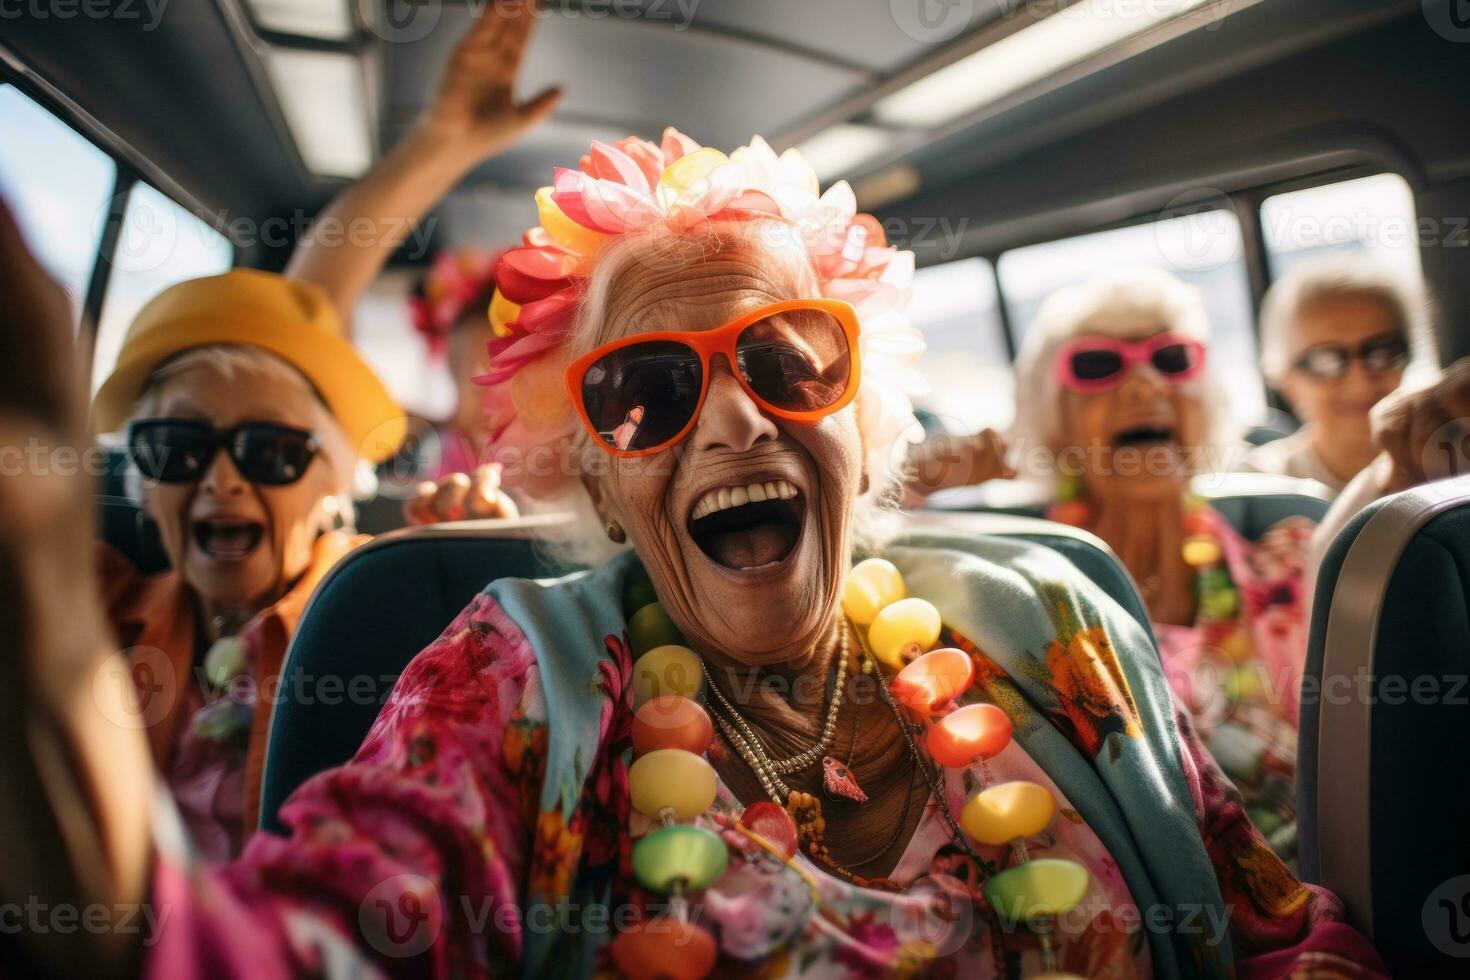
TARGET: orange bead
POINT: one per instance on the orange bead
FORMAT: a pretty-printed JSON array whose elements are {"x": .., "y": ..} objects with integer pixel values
[
  {"x": 664, "y": 947},
  {"x": 672, "y": 721},
  {"x": 933, "y": 680},
  {"x": 971, "y": 734}
]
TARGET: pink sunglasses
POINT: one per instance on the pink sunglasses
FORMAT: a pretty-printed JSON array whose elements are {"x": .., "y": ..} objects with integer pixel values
[{"x": 1091, "y": 364}]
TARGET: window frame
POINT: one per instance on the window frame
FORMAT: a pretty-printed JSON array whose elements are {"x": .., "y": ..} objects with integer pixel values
[{"x": 131, "y": 169}]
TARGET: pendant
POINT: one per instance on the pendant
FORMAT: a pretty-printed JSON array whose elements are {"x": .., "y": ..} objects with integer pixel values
[{"x": 839, "y": 781}]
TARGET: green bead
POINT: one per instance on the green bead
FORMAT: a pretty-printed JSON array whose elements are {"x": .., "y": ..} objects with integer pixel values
[
  {"x": 681, "y": 853},
  {"x": 225, "y": 661},
  {"x": 637, "y": 594},
  {"x": 651, "y": 627},
  {"x": 1038, "y": 889},
  {"x": 1223, "y": 604}
]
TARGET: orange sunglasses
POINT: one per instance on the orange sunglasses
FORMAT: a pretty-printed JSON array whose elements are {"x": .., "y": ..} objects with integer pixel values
[{"x": 641, "y": 394}]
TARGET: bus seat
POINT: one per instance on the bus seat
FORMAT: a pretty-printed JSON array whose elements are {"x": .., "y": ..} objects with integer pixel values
[
  {"x": 123, "y": 525},
  {"x": 1250, "y": 502},
  {"x": 378, "y": 607},
  {"x": 387, "y": 600},
  {"x": 1253, "y": 502},
  {"x": 1382, "y": 807}
]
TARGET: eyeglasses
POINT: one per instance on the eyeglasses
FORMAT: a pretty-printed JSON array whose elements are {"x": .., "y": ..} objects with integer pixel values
[
  {"x": 1092, "y": 364},
  {"x": 180, "y": 450},
  {"x": 798, "y": 360},
  {"x": 1330, "y": 362}
]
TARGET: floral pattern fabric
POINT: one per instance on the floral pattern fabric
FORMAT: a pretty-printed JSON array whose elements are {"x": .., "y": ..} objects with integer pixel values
[
  {"x": 484, "y": 827},
  {"x": 1245, "y": 702}
]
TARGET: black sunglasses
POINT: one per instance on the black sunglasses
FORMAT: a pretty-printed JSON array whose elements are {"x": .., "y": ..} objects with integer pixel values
[
  {"x": 180, "y": 450},
  {"x": 1329, "y": 362}
]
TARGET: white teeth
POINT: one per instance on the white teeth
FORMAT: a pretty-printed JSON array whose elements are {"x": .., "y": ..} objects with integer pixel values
[{"x": 726, "y": 497}]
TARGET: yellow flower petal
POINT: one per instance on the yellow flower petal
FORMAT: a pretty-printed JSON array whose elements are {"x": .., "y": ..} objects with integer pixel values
[
  {"x": 564, "y": 231},
  {"x": 688, "y": 169},
  {"x": 502, "y": 313}
]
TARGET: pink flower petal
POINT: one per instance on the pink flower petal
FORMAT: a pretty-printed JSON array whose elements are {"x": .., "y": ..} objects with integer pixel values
[{"x": 611, "y": 163}]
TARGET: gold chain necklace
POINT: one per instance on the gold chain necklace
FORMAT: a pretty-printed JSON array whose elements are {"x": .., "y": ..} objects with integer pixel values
[{"x": 739, "y": 733}]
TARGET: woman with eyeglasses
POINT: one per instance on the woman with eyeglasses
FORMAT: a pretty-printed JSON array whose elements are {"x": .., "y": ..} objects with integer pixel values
[
  {"x": 1336, "y": 335},
  {"x": 761, "y": 735},
  {"x": 1116, "y": 385}
]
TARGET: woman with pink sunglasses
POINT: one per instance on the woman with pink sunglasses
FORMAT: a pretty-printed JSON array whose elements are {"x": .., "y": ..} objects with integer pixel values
[{"x": 1118, "y": 388}]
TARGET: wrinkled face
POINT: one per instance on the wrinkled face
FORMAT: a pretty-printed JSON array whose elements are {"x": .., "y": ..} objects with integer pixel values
[
  {"x": 1136, "y": 439},
  {"x": 755, "y": 582},
  {"x": 235, "y": 541},
  {"x": 1339, "y": 407}
]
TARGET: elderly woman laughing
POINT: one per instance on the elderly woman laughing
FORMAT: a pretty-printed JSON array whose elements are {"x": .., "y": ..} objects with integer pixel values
[{"x": 726, "y": 748}]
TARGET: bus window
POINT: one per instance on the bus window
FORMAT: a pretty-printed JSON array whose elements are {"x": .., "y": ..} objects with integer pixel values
[
  {"x": 966, "y": 364},
  {"x": 159, "y": 244},
  {"x": 58, "y": 185},
  {"x": 1370, "y": 214},
  {"x": 1203, "y": 249}
]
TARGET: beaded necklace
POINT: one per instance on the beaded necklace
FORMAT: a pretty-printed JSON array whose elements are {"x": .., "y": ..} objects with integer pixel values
[{"x": 672, "y": 784}]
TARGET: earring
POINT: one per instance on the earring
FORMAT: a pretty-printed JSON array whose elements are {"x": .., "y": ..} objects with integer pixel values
[{"x": 615, "y": 533}]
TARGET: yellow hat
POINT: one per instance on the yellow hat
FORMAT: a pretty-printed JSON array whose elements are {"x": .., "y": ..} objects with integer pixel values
[{"x": 289, "y": 318}]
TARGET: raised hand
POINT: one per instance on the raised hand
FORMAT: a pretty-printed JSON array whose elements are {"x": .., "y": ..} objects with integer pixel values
[{"x": 475, "y": 107}]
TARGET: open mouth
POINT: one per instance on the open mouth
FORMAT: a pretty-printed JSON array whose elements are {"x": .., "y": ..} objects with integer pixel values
[
  {"x": 748, "y": 528},
  {"x": 1142, "y": 436},
  {"x": 228, "y": 540}
]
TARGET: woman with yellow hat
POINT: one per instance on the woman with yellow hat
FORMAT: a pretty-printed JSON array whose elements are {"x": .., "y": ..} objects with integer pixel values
[{"x": 246, "y": 414}]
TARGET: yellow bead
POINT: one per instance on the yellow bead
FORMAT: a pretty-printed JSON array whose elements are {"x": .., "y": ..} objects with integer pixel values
[
  {"x": 903, "y": 630},
  {"x": 669, "y": 669},
  {"x": 1007, "y": 812},
  {"x": 870, "y": 586},
  {"x": 1201, "y": 551},
  {"x": 671, "y": 779}
]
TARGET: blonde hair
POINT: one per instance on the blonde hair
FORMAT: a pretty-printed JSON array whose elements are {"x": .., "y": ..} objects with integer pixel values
[
  {"x": 350, "y": 477},
  {"x": 1118, "y": 304},
  {"x": 1330, "y": 277},
  {"x": 884, "y": 417}
]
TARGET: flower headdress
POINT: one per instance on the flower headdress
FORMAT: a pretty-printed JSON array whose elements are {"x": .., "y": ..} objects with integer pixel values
[{"x": 635, "y": 185}]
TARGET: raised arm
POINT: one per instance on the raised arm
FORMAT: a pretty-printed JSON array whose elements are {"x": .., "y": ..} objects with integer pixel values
[{"x": 473, "y": 117}]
